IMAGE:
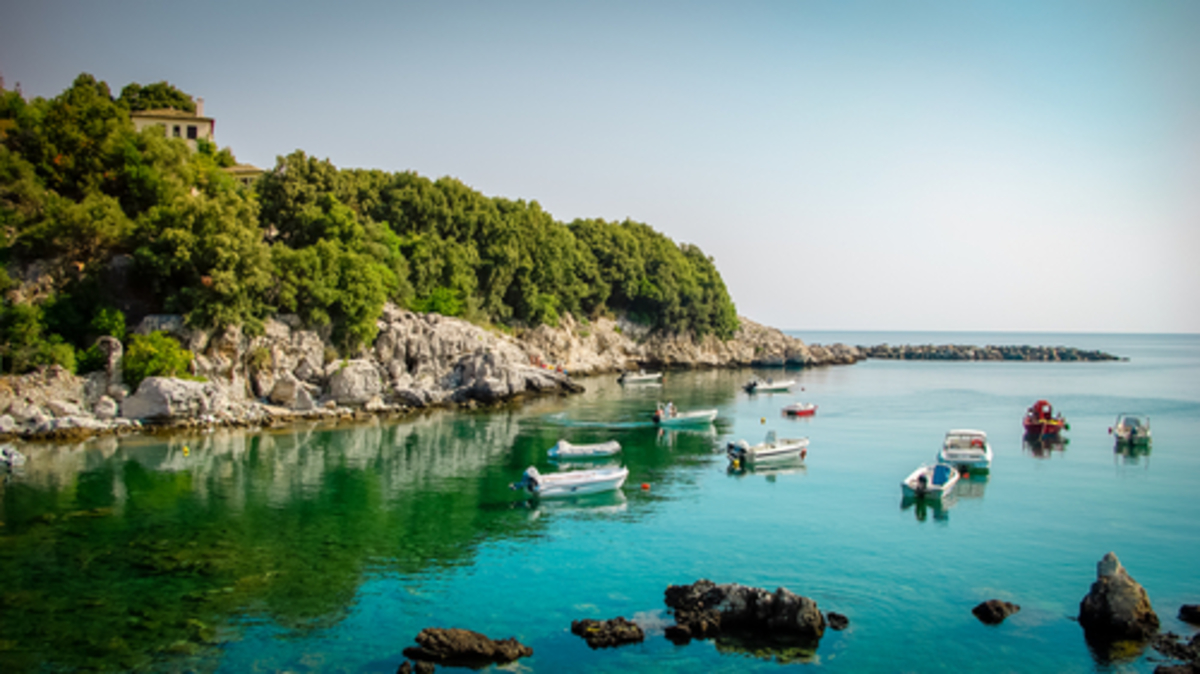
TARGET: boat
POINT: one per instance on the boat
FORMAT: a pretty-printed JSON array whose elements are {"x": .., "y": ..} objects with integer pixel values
[
  {"x": 566, "y": 450},
  {"x": 1041, "y": 422},
  {"x": 639, "y": 377},
  {"x": 967, "y": 450},
  {"x": 928, "y": 481},
  {"x": 667, "y": 415},
  {"x": 11, "y": 457},
  {"x": 800, "y": 409},
  {"x": 742, "y": 452},
  {"x": 1131, "y": 429},
  {"x": 572, "y": 482},
  {"x": 767, "y": 385}
]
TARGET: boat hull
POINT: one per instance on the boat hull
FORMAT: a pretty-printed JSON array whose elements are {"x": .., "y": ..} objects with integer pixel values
[
  {"x": 686, "y": 418},
  {"x": 576, "y": 482},
  {"x": 800, "y": 410},
  {"x": 913, "y": 487},
  {"x": 788, "y": 449},
  {"x": 1043, "y": 428},
  {"x": 566, "y": 450}
]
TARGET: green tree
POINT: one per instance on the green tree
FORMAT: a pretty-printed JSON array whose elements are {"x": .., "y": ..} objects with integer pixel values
[{"x": 157, "y": 96}]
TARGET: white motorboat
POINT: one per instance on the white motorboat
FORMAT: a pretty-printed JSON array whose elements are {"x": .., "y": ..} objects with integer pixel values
[
  {"x": 669, "y": 416},
  {"x": 742, "y": 452},
  {"x": 767, "y": 385},
  {"x": 1131, "y": 429},
  {"x": 639, "y": 377},
  {"x": 933, "y": 481},
  {"x": 566, "y": 450},
  {"x": 571, "y": 483},
  {"x": 966, "y": 449},
  {"x": 800, "y": 409}
]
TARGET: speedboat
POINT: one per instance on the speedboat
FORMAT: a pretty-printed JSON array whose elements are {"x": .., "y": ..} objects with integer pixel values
[
  {"x": 800, "y": 409},
  {"x": 669, "y": 416},
  {"x": 934, "y": 481},
  {"x": 742, "y": 452},
  {"x": 1041, "y": 422},
  {"x": 566, "y": 450},
  {"x": 639, "y": 377},
  {"x": 571, "y": 483},
  {"x": 967, "y": 450},
  {"x": 1131, "y": 429},
  {"x": 757, "y": 385}
]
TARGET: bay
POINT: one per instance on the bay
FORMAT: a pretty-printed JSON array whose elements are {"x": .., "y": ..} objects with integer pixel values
[{"x": 327, "y": 549}]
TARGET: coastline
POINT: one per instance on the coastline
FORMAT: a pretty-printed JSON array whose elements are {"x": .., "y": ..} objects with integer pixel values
[{"x": 417, "y": 362}]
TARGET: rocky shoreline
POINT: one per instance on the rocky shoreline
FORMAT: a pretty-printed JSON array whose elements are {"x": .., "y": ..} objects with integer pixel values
[{"x": 291, "y": 373}]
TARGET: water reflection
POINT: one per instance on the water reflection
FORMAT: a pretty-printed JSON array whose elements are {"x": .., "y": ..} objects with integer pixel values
[
  {"x": 1043, "y": 448},
  {"x": 924, "y": 507},
  {"x": 770, "y": 471},
  {"x": 1131, "y": 454},
  {"x": 972, "y": 486},
  {"x": 600, "y": 506}
]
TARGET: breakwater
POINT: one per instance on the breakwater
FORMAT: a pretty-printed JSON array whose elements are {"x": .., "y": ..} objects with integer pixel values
[{"x": 967, "y": 352}]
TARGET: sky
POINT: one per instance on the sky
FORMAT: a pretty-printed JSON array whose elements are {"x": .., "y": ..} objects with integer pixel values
[{"x": 853, "y": 165}]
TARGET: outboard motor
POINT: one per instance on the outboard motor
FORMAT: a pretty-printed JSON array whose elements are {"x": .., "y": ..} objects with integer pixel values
[{"x": 529, "y": 480}]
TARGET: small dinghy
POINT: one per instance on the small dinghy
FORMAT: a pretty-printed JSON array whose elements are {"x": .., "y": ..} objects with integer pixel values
[
  {"x": 800, "y": 409},
  {"x": 566, "y": 450},
  {"x": 1131, "y": 429},
  {"x": 668, "y": 416},
  {"x": 934, "y": 481},
  {"x": 10, "y": 457},
  {"x": 757, "y": 385},
  {"x": 639, "y": 377},
  {"x": 571, "y": 483},
  {"x": 742, "y": 452}
]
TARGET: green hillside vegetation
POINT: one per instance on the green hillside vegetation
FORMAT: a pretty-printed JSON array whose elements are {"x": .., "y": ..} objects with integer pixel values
[{"x": 80, "y": 190}]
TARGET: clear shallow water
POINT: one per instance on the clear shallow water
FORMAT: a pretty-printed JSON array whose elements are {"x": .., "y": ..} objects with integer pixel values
[{"x": 328, "y": 549}]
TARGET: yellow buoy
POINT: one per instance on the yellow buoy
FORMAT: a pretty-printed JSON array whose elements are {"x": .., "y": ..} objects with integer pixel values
[
  {"x": 186, "y": 451},
  {"x": 763, "y": 420}
]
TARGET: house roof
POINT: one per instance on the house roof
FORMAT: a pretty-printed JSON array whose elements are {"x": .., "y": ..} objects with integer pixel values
[{"x": 168, "y": 113}]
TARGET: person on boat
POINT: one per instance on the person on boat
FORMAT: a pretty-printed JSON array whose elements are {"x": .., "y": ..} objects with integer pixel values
[{"x": 671, "y": 412}]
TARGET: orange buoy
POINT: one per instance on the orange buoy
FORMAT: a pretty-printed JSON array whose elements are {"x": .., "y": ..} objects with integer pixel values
[
  {"x": 763, "y": 420},
  {"x": 645, "y": 486}
]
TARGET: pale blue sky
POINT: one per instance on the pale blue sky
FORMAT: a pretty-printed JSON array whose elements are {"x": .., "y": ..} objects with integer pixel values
[{"x": 1026, "y": 166}]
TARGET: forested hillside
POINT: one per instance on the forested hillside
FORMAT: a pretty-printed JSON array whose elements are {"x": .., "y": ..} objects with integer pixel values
[{"x": 101, "y": 224}]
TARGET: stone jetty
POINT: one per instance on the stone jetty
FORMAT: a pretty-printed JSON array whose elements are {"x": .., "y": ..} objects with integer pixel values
[{"x": 967, "y": 352}]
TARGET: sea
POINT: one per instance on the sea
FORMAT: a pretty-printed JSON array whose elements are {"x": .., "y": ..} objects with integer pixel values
[{"x": 323, "y": 547}]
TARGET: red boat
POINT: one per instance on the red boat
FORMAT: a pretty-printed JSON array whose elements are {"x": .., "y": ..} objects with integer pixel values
[
  {"x": 1040, "y": 421},
  {"x": 800, "y": 409}
]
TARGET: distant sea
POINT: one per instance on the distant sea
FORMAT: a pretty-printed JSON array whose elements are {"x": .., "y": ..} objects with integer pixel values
[{"x": 328, "y": 548}]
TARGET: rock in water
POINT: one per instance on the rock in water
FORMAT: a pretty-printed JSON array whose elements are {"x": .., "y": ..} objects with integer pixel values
[
  {"x": 463, "y": 648},
  {"x": 837, "y": 621},
  {"x": 603, "y": 634},
  {"x": 994, "y": 611},
  {"x": 705, "y": 609},
  {"x": 1190, "y": 613},
  {"x": 1117, "y": 607}
]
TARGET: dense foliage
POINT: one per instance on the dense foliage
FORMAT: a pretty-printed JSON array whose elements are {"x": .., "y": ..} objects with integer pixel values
[{"x": 134, "y": 223}]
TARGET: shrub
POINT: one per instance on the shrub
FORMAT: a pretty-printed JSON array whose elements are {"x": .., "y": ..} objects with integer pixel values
[{"x": 154, "y": 355}]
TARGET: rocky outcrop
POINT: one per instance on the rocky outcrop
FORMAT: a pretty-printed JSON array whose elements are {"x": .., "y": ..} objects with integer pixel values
[
  {"x": 608, "y": 633},
  {"x": 608, "y": 345},
  {"x": 1178, "y": 648},
  {"x": 837, "y": 621},
  {"x": 1190, "y": 613},
  {"x": 994, "y": 611},
  {"x": 456, "y": 647},
  {"x": 1117, "y": 608},
  {"x": 705, "y": 609},
  {"x": 168, "y": 398}
]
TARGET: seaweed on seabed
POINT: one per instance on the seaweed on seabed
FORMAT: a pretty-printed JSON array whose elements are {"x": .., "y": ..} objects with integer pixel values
[{"x": 781, "y": 649}]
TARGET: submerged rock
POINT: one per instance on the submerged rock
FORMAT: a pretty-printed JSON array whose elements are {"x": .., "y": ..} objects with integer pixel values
[
  {"x": 994, "y": 611},
  {"x": 1117, "y": 608},
  {"x": 837, "y": 621},
  {"x": 608, "y": 633},
  {"x": 457, "y": 647}
]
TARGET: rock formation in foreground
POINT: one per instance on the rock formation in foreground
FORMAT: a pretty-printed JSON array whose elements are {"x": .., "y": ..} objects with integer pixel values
[
  {"x": 455, "y": 647},
  {"x": 705, "y": 610},
  {"x": 1117, "y": 608}
]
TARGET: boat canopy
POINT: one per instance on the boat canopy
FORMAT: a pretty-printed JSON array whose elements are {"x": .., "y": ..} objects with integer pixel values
[{"x": 941, "y": 473}]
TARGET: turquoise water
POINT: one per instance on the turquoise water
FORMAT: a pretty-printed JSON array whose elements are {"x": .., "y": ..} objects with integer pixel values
[{"x": 326, "y": 549}]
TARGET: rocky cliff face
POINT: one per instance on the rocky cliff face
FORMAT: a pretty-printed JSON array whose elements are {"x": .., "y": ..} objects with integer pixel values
[{"x": 417, "y": 360}]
